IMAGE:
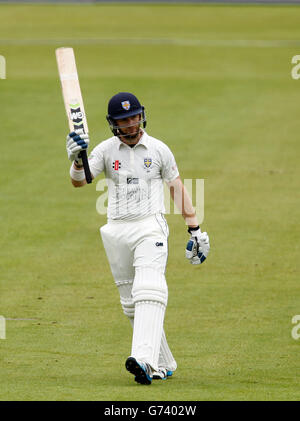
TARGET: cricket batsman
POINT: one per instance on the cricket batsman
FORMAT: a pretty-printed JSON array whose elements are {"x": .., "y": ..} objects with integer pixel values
[{"x": 135, "y": 238}]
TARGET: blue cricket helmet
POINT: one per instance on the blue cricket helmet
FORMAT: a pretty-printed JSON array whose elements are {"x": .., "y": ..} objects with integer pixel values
[{"x": 124, "y": 105}]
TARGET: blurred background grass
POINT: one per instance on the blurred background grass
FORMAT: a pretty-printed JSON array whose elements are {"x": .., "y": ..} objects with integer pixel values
[{"x": 230, "y": 115}]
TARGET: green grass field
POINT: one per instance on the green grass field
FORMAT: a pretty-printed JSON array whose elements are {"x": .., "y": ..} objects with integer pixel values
[{"x": 217, "y": 86}]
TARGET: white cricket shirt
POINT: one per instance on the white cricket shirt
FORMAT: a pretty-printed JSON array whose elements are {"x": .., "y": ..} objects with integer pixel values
[{"x": 135, "y": 176}]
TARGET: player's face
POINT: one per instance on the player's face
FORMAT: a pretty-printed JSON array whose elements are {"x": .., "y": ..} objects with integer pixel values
[{"x": 130, "y": 128}]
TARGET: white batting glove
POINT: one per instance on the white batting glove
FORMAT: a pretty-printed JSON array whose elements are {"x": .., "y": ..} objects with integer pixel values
[
  {"x": 197, "y": 247},
  {"x": 77, "y": 141}
]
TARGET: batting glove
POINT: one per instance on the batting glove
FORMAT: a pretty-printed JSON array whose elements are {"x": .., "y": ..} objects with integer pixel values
[
  {"x": 197, "y": 247},
  {"x": 77, "y": 141}
]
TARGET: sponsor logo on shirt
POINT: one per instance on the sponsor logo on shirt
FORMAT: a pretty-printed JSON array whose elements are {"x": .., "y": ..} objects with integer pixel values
[
  {"x": 131, "y": 180},
  {"x": 116, "y": 165}
]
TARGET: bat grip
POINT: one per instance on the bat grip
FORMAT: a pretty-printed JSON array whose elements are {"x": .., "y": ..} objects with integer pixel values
[{"x": 86, "y": 167}]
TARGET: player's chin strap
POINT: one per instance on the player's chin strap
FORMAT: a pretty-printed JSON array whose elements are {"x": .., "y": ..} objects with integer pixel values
[
  {"x": 130, "y": 136},
  {"x": 116, "y": 129}
]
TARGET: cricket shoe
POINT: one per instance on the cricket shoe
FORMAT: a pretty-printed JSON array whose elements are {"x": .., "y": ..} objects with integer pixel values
[
  {"x": 162, "y": 374},
  {"x": 141, "y": 371}
]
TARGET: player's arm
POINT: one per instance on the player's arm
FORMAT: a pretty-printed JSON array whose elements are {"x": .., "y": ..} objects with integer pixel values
[
  {"x": 183, "y": 202},
  {"x": 198, "y": 246}
]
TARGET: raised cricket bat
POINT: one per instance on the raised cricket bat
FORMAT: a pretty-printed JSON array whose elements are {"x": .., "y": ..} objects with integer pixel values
[{"x": 72, "y": 98}]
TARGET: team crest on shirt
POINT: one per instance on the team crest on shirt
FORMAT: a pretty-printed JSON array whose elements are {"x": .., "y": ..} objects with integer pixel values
[
  {"x": 125, "y": 105},
  {"x": 147, "y": 163}
]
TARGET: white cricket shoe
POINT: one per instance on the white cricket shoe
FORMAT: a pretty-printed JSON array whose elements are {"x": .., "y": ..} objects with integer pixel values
[{"x": 162, "y": 374}]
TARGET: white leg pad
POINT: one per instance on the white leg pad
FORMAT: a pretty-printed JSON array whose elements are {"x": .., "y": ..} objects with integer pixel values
[
  {"x": 125, "y": 288},
  {"x": 166, "y": 359},
  {"x": 150, "y": 296},
  {"x": 147, "y": 331},
  {"x": 150, "y": 285}
]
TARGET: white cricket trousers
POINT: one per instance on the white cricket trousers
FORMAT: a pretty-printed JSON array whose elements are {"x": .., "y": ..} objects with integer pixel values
[{"x": 137, "y": 252}]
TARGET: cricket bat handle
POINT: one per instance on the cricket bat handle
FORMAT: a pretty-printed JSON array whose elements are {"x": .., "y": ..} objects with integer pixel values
[{"x": 87, "y": 172}]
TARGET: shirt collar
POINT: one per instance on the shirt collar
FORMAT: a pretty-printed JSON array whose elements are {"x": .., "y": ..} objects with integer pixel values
[{"x": 143, "y": 141}]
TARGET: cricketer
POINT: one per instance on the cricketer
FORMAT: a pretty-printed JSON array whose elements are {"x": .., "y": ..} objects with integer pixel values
[{"x": 135, "y": 236}]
